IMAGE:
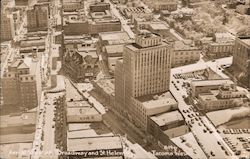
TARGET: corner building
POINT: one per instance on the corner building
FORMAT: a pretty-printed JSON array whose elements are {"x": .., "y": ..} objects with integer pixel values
[{"x": 145, "y": 70}]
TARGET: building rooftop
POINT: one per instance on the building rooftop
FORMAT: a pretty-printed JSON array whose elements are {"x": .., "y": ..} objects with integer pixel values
[
  {"x": 221, "y": 43},
  {"x": 158, "y": 103},
  {"x": 167, "y": 118},
  {"x": 87, "y": 133},
  {"x": 224, "y": 37},
  {"x": 179, "y": 45},
  {"x": 114, "y": 36},
  {"x": 79, "y": 103},
  {"x": 208, "y": 96},
  {"x": 136, "y": 47},
  {"x": 78, "y": 126},
  {"x": 17, "y": 138},
  {"x": 81, "y": 111},
  {"x": 96, "y": 143},
  {"x": 85, "y": 51},
  {"x": 197, "y": 83},
  {"x": 107, "y": 85},
  {"x": 111, "y": 49},
  {"x": 32, "y": 42},
  {"x": 159, "y": 26},
  {"x": 150, "y": 100},
  {"x": 18, "y": 120}
]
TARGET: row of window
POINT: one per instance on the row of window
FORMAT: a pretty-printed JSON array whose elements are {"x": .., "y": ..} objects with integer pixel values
[
  {"x": 188, "y": 53},
  {"x": 26, "y": 78}
]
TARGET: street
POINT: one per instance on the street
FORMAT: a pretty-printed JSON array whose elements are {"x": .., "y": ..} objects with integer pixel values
[
  {"x": 120, "y": 126},
  {"x": 124, "y": 25},
  {"x": 208, "y": 141}
]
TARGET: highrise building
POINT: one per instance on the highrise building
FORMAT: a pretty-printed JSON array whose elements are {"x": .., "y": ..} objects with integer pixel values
[
  {"x": 21, "y": 85},
  {"x": 144, "y": 71},
  {"x": 37, "y": 18},
  {"x": 7, "y": 27},
  {"x": 241, "y": 57}
]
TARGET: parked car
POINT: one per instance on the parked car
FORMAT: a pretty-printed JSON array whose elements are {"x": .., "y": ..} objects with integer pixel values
[{"x": 212, "y": 153}]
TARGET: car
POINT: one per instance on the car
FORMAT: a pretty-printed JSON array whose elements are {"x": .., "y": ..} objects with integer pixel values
[
  {"x": 189, "y": 116},
  {"x": 190, "y": 125},
  {"x": 212, "y": 153},
  {"x": 238, "y": 152},
  {"x": 177, "y": 89},
  {"x": 204, "y": 130},
  {"x": 210, "y": 131},
  {"x": 213, "y": 60},
  {"x": 192, "y": 121},
  {"x": 184, "y": 111},
  {"x": 222, "y": 148},
  {"x": 53, "y": 126},
  {"x": 199, "y": 124},
  {"x": 196, "y": 119},
  {"x": 226, "y": 153},
  {"x": 178, "y": 81}
]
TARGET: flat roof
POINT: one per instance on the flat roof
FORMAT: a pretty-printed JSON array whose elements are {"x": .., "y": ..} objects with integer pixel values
[
  {"x": 197, "y": 83},
  {"x": 223, "y": 35},
  {"x": 161, "y": 99},
  {"x": 34, "y": 67},
  {"x": 87, "y": 51},
  {"x": 114, "y": 49},
  {"x": 222, "y": 43},
  {"x": 18, "y": 120},
  {"x": 114, "y": 35},
  {"x": 179, "y": 45},
  {"x": 167, "y": 118},
  {"x": 136, "y": 47},
  {"x": 87, "y": 133},
  {"x": 96, "y": 143},
  {"x": 78, "y": 126},
  {"x": 207, "y": 96},
  {"x": 17, "y": 138},
  {"x": 159, "y": 26},
  {"x": 81, "y": 111},
  {"x": 107, "y": 85},
  {"x": 79, "y": 103}
]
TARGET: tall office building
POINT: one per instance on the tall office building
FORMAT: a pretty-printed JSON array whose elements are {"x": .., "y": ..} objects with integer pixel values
[
  {"x": 21, "y": 85},
  {"x": 144, "y": 70},
  {"x": 7, "y": 27},
  {"x": 241, "y": 57},
  {"x": 37, "y": 18}
]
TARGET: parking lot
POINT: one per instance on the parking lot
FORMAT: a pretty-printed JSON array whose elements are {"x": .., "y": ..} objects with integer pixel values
[{"x": 238, "y": 141}]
